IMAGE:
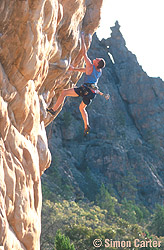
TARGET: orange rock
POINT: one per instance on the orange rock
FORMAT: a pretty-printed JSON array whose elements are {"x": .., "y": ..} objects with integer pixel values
[{"x": 38, "y": 41}]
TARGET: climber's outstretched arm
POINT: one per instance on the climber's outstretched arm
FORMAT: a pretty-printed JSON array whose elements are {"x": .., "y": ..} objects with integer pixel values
[
  {"x": 89, "y": 65},
  {"x": 84, "y": 51},
  {"x": 107, "y": 96}
]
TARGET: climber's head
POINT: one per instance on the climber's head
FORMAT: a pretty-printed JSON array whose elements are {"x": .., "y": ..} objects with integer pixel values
[{"x": 99, "y": 63}]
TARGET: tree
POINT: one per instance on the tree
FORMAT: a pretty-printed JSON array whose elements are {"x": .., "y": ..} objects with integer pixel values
[
  {"x": 105, "y": 200},
  {"x": 158, "y": 221},
  {"x": 62, "y": 242}
]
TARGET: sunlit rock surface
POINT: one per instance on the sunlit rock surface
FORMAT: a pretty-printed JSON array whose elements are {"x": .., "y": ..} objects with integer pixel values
[{"x": 38, "y": 41}]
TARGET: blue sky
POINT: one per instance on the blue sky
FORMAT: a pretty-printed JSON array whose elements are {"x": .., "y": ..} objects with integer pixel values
[{"x": 142, "y": 26}]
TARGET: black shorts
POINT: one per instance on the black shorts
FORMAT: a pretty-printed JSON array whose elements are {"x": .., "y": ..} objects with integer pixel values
[{"x": 86, "y": 93}]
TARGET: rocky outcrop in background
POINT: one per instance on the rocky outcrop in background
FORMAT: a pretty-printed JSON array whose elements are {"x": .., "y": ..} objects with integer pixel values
[
  {"x": 125, "y": 148},
  {"x": 38, "y": 41}
]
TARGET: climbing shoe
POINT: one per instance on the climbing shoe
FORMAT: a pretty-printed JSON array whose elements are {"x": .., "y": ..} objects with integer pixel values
[
  {"x": 86, "y": 131},
  {"x": 51, "y": 111}
]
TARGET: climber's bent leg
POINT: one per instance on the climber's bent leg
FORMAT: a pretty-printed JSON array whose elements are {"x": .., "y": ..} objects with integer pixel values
[{"x": 63, "y": 95}]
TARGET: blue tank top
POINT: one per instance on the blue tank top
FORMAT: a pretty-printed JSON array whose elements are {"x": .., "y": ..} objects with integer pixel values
[{"x": 94, "y": 77}]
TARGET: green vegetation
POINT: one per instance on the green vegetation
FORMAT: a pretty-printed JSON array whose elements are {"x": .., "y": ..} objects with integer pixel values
[
  {"x": 103, "y": 218},
  {"x": 62, "y": 242},
  {"x": 157, "y": 225},
  {"x": 106, "y": 201},
  {"x": 83, "y": 222}
]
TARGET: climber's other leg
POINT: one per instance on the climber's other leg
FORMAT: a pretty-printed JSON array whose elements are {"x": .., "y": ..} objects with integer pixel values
[{"x": 84, "y": 114}]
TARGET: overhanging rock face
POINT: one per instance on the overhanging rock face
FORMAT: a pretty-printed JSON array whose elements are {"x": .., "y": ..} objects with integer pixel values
[{"x": 38, "y": 41}]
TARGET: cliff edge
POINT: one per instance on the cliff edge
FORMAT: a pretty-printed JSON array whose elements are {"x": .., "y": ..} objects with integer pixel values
[{"x": 38, "y": 41}]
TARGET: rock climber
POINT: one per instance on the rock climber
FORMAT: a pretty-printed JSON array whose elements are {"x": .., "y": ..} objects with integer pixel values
[{"x": 93, "y": 71}]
